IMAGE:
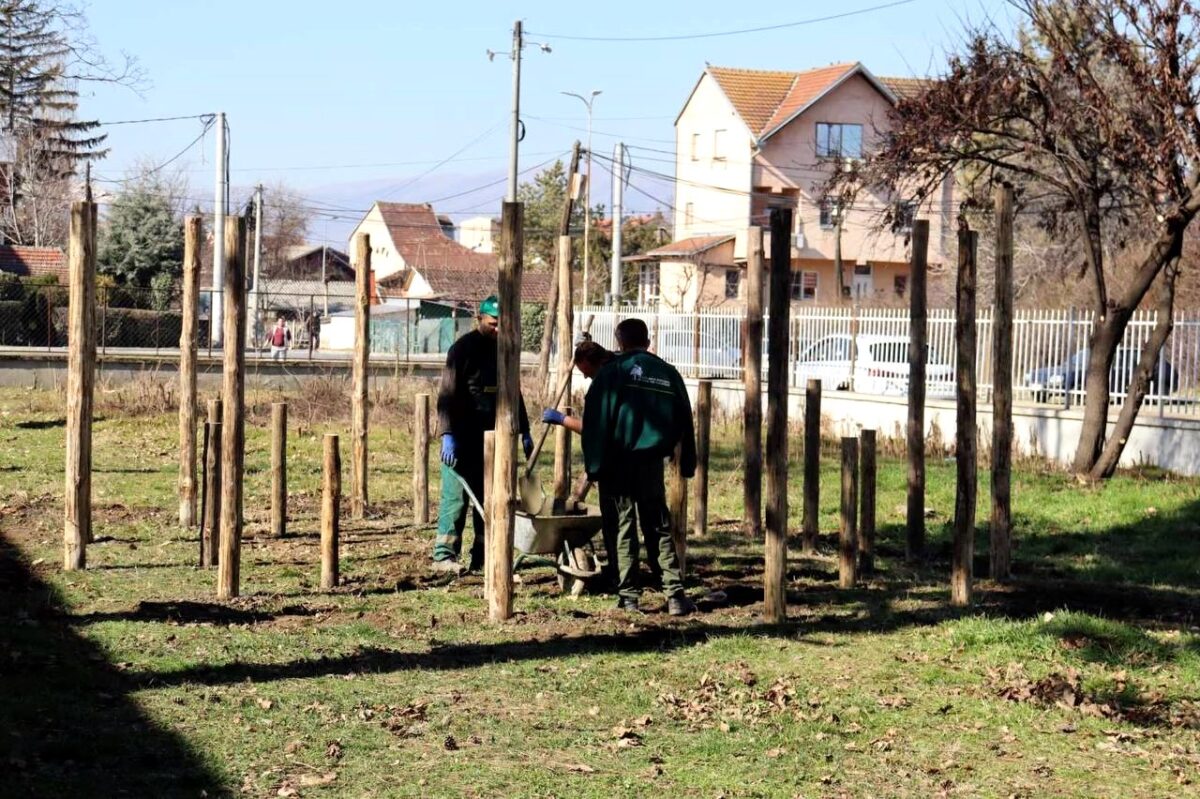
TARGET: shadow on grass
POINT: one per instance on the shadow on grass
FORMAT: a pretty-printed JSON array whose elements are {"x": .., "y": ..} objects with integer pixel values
[
  {"x": 68, "y": 726},
  {"x": 184, "y": 612}
]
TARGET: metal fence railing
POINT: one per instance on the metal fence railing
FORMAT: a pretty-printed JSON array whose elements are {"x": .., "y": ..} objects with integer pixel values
[
  {"x": 150, "y": 320},
  {"x": 867, "y": 350}
]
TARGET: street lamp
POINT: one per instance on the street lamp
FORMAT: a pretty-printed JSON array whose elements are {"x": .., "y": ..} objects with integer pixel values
[{"x": 587, "y": 208}]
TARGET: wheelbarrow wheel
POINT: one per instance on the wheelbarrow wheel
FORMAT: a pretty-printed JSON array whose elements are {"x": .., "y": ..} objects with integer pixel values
[{"x": 577, "y": 559}]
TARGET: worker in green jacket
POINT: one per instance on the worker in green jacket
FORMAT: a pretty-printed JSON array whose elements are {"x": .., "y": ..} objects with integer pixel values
[
  {"x": 466, "y": 409},
  {"x": 635, "y": 413}
]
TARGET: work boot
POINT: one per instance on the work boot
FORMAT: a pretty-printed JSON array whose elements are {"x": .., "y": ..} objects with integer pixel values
[
  {"x": 680, "y": 605},
  {"x": 629, "y": 603},
  {"x": 446, "y": 566}
]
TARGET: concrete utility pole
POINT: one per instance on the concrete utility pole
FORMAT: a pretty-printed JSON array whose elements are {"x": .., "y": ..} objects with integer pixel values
[
  {"x": 516, "y": 133},
  {"x": 216, "y": 316},
  {"x": 517, "y": 130},
  {"x": 618, "y": 199},
  {"x": 256, "y": 330},
  {"x": 587, "y": 208}
]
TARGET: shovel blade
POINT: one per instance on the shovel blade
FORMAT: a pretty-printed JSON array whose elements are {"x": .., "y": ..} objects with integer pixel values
[{"x": 532, "y": 496}]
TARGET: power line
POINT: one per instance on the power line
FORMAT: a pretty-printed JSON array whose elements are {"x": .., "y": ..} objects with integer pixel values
[
  {"x": 208, "y": 123},
  {"x": 715, "y": 34},
  {"x": 445, "y": 160},
  {"x": 155, "y": 119}
]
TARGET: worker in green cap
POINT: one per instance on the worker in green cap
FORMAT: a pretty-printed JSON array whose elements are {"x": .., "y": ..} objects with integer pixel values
[
  {"x": 466, "y": 409},
  {"x": 635, "y": 414}
]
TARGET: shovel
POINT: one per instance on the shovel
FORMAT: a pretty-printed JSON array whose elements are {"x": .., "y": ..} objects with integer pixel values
[
  {"x": 528, "y": 485},
  {"x": 533, "y": 498}
]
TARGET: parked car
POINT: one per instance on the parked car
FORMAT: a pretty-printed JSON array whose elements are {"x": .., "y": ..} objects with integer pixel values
[
  {"x": 880, "y": 366},
  {"x": 717, "y": 358},
  {"x": 1049, "y": 383}
]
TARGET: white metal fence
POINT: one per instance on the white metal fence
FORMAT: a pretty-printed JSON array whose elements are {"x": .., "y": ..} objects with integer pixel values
[{"x": 1049, "y": 350}]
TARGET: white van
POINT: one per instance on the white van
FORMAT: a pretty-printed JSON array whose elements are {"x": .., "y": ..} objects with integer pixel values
[{"x": 880, "y": 366}]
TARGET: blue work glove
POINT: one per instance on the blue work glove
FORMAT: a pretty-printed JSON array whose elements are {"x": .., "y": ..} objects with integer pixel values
[
  {"x": 551, "y": 416},
  {"x": 527, "y": 443},
  {"x": 449, "y": 455}
]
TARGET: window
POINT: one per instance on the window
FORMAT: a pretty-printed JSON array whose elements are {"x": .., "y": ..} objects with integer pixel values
[
  {"x": 900, "y": 284},
  {"x": 829, "y": 213},
  {"x": 648, "y": 292},
  {"x": 804, "y": 286},
  {"x": 695, "y": 146},
  {"x": 864, "y": 281},
  {"x": 839, "y": 140},
  {"x": 689, "y": 214},
  {"x": 906, "y": 212},
  {"x": 719, "y": 145},
  {"x": 733, "y": 278}
]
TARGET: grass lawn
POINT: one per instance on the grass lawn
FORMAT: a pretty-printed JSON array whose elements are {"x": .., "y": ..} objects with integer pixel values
[{"x": 1081, "y": 678}]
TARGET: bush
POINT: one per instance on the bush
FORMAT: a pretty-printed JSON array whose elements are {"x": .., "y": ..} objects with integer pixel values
[
  {"x": 132, "y": 327},
  {"x": 10, "y": 287},
  {"x": 12, "y": 331},
  {"x": 533, "y": 323}
]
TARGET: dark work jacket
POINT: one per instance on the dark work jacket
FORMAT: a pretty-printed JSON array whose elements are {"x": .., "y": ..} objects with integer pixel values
[
  {"x": 636, "y": 407},
  {"x": 467, "y": 397}
]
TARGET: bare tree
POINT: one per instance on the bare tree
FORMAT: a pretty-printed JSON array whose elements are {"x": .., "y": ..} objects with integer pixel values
[{"x": 1091, "y": 105}]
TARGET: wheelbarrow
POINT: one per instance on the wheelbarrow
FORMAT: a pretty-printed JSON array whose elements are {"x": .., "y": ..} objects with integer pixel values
[{"x": 565, "y": 536}]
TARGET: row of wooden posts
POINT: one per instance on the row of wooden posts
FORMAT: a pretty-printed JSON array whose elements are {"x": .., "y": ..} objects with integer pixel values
[{"x": 221, "y": 525}]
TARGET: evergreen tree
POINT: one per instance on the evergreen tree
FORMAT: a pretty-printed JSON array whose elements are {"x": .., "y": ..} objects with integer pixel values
[
  {"x": 43, "y": 55},
  {"x": 141, "y": 238}
]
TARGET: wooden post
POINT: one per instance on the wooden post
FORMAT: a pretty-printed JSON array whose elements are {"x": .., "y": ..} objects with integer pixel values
[
  {"x": 812, "y": 465},
  {"x": 696, "y": 341},
  {"x": 508, "y": 399},
  {"x": 562, "y": 461},
  {"x": 848, "y": 535},
  {"x": 187, "y": 373},
  {"x": 914, "y": 544},
  {"x": 233, "y": 452},
  {"x": 775, "y": 554},
  {"x": 752, "y": 380},
  {"x": 677, "y": 506},
  {"x": 866, "y": 516},
  {"x": 489, "y": 464},
  {"x": 279, "y": 493},
  {"x": 703, "y": 445},
  {"x": 81, "y": 371},
  {"x": 362, "y": 352},
  {"x": 1002, "y": 414},
  {"x": 566, "y": 323},
  {"x": 553, "y": 304},
  {"x": 965, "y": 428},
  {"x": 210, "y": 525},
  {"x": 421, "y": 460},
  {"x": 331, "y": 495}
]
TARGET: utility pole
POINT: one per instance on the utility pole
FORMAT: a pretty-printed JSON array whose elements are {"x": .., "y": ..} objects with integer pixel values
[
  {"x": 618, "y": 198},
  {"x": 216, "y": 316},
  {"x": 517, "y": 130},
  {"x": 516, "y": 134},
  {"x": 587, "y": 208},
  {"x": 256, "y": 330}
]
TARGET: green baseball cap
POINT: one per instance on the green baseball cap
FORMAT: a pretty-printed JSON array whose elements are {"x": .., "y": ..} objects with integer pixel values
[{"x": 490, "y": 307}]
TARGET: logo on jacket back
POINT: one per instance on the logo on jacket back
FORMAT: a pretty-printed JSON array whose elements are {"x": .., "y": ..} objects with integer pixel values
[{"x": 638, "y": 376}]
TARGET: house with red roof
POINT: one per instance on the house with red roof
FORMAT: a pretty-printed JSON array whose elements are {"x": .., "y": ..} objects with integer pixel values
[
  {"x": 751, "y": 140},
  {"x": 415, "y": 256},
  {"x": 34, "y": 262}
]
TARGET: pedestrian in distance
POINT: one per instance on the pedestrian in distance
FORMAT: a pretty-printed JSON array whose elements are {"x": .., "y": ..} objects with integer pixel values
[
  {"x": 279, "y": 338},
  {"x": 466, "y": 408},
  {"x": 635, "y": 414}
]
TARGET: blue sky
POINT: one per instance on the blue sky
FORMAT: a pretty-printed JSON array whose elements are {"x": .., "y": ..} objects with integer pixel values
[{"x": 348, "y": 102}]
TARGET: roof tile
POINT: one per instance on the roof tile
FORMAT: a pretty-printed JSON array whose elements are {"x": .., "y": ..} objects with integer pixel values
[{"x": 34, "y": 261}]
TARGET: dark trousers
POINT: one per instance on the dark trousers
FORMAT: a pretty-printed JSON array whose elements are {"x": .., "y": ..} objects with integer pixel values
[{"x": 633, "y": 494}]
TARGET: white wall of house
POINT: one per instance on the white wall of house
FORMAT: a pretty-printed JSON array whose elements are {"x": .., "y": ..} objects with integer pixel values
[
  {"x": 385, "y": 260},
  {"x": 712, "y": 146},
  {"x": 479, "y": 233}
]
